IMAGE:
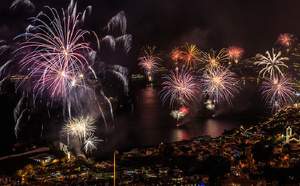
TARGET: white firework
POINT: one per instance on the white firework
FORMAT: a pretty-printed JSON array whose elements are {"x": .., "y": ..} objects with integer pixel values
[
  {"x": 272, "y": 63},
  {"x": 122, "y": 74},
  {"x": 80, "y": 127},
  {"x": 3, "y": 47},
  {"x": 209, "y": 104},
  {"x": 177, "y": 114},
  {"x": 91, "y": 143},
  {"x": 27, "y": 3},
  {"x": 118, "y": 21}
]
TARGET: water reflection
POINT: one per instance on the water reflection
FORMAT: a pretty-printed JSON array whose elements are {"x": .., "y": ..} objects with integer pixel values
[
  {"x": 151, "y": 124},
  {"x": 155, "y": 124},
  {"x": 179, "y": 135}
]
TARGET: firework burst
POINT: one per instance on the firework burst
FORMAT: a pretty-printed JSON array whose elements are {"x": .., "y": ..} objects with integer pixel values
[
  {"x": 220, "y": 84},
  {"x": 58, "y": 63},
  {"x": 90, "y": 144},
  {"x": 184, "y": 110},
  {"x": 149, "y": 61},
  {"x": 3, "y": 47},
  {"x": 209, "y": 105},
  {"x": 79, "y": 127},
  {"x": 149, "y": 64},
  {"x": 177, "y": 114},
  {"x": 214, "y": 59},
  {"x": 272, "y": 63},
  {"x": 277, "y": 91},
  {"x": 235, "y": 53},
  {"x": 57, "y": 51},
  {"x": 58, "y": 66},
  {"x": 176, "y": 54},
  {"x": 285, "y": 39},
  {"x": 180, "y": 87},
  {"x": 190, "y": 55}
]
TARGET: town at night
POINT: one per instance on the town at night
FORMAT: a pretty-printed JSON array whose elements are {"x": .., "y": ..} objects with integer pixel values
[{"x": 149, "y": 92}]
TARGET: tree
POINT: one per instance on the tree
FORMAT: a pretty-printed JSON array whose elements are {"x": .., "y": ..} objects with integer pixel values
[
  {"x": 262, "y": 151},
  {"x": 214, "y": 167},
  {"x": 168, "y": 151}
]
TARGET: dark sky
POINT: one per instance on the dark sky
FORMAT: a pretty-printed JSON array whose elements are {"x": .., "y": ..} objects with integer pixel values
[{"x": 253, "y": 25}]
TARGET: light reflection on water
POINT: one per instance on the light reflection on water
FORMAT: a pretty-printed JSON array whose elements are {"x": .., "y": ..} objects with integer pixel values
[
  {"x": 151, "y": 123},
  {"x": 179, "y": 134},
  {"x": 155, "y": 122}
]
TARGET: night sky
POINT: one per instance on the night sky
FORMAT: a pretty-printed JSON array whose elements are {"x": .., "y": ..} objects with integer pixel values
[{"x": 253, "y": 25}]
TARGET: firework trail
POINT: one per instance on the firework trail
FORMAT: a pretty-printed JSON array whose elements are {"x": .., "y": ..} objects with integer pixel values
[
  {"x": 277, "y": 91},
  {"x": 2, "y": 68},
  {"x": 220, "y": 84},
  {"x": 212, "y": 59},
  {"x": 110, "y": 105},
  {"x": 235, "y": 53},
  {"x": 18, "y": 123},
  {"x": 2, "y": 82},
  {"x": 3, "y": 47},
  {"x": 103, "y": 116},
  {"x": 17, "y": 115},
  {"x": 190, "y": 55},
  {"x": 59, "y": 55},
  {"x": 27, "y": 3},
  {"x": 102, "y": 93},
  {"x": 180, "y": 88},
  {"x": 108, "y": 101},
  {"x": 86, "y": 12},
  {"x": 126, "y": 40},
  {"x": 110, "y": 40},
  {"x": 90, "y": 144},
  {"x": 119, "y": 21},
  {"x": 122, "y": 73},
  {"x": 58, "y": 63},
  {"x": 272, "y": 63},
  {"x": 17, "y": 109}
]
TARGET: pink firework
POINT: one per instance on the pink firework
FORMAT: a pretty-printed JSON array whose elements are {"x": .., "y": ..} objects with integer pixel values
[
  {"x": 149, "y": 61},
  {"x": 220, "y": 84},
  {"x": 235, "y": 53},
  {"x": 57, "y": 55},
  {"x": 285, "y": 39},
  {"x": 180, "y": 88},
  {"x": 277, "y": 91},
  {"x": 149, "y": 64},
  {"x": 184, "y": 110}
]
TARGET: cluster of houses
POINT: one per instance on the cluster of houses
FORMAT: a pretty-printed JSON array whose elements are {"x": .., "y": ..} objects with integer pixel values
[{"x": 237, "y": 146}]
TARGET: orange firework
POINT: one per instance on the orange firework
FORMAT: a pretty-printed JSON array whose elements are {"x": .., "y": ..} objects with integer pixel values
[
  {"x": 190, "y": 55},
  {"x": 214, "y": 59},
  {"x": 176, "y": 54},
  {"x": 235, "y": 53}
]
